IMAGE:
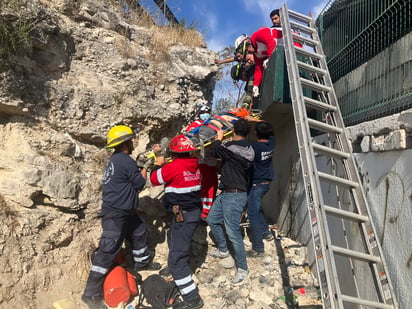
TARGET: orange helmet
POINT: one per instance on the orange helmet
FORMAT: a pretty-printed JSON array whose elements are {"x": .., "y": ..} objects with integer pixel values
[{"x": 181, "y": 143}]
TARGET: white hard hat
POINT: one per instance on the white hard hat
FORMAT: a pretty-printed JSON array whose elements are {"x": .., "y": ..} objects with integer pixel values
[{"x": 240, "y": 39}]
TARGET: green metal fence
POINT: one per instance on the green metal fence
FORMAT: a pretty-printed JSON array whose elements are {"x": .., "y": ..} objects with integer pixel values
[{"x": 368, "y": 44}]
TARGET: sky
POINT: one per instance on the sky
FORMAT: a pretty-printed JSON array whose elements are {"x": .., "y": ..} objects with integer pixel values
[{"x": 222, "y": 21}]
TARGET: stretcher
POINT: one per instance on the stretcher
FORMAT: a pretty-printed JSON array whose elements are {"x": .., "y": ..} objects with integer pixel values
[{"x": 204, "y": 135}]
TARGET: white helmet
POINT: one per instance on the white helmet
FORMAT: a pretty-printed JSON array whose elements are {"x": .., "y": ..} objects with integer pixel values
[
  {"x": 240, "y": 39},
  {"x": 204, "y": 109}
]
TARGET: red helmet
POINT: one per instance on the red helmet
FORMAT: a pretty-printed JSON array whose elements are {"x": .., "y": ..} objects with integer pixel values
[{"x": 181, "y": 143}]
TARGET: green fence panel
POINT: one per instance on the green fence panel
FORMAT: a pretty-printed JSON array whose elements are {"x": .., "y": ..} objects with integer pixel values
[{"x": 275, "y": 84}]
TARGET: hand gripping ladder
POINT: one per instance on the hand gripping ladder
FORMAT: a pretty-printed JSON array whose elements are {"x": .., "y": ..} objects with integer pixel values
[{"x": 351, "y": 268}]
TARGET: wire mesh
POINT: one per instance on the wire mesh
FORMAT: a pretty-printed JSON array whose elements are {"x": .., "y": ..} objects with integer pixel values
[{"x": 368, "y": 45}]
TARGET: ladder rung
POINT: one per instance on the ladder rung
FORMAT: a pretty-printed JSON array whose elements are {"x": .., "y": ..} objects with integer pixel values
[
  {"x": 297, "y": 26},
  {"x": 319, "y": 105},
  {"x": 305, "y": 40},
  {"x": 345, "y": 214},
  {"x": 299, "y": 16},
  {"x": 311, "y": 68},
  {"x": 307, "y": 53},
  {"x": 330, "y": 151},
  {"x": 321, "y": 126},
  {"x": 356, "y": 255},
  {"x": 338, "y": 180},
  {"x": 369, "y": 303},
  {"x": 314, "y": 85},
  {"x": 313, "y": 64}
]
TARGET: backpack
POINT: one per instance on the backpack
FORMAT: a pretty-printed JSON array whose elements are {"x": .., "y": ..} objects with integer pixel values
[{"x": 158, "y": 292}]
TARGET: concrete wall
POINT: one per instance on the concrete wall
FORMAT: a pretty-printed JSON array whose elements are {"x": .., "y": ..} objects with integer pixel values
[{"x": 385, "y": 165}]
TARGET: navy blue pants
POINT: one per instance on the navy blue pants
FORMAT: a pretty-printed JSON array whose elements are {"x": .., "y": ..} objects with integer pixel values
[
  {"x": 179, "y": 238},
  {"x": 115, "y": 230}
]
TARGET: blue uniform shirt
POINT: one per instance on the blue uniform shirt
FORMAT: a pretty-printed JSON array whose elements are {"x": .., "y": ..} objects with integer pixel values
[
  {"x": 262, "y": 165},
  {"x": 121, "y": 183}
]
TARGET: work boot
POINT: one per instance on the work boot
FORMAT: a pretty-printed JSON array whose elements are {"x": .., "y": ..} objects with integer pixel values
[
  {"x": 189, "y": 304},
  {"x": 151, "y": 266},
  {"x": 268, "y": 236},
  {"x": 253, "y": 253},
  {"x": 227, "y": 262},
  {"x": 94, "y": 302},
  {"x": 240, "y": 276},
  {"x": 216, "y": 253},
  {"x": 165, "y": 273}
]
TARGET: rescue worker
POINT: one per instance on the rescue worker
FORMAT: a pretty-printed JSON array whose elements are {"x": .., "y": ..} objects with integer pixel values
[
  {"x": 241, "y": 52},
  {"x": 244, "y": 73},
  {"x": 181, "y": 178},
  {"x": 121, "y": 183},
  {"x": 263, "y": 43},
  {"x": 207, "y": 166}
]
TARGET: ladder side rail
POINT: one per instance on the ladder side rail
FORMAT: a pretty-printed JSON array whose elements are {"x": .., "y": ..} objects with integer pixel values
[
  {"x": 372, "y": 243},
  {"x": 326, "y": 272}
]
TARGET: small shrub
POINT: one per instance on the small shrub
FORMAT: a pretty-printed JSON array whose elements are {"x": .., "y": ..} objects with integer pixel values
[
  {"x": 125, "y": 48},
  {"x": 14, "y": 28},
  {"x": 8, "y": 215},
  {"x": 164, "y": 36},
  {"x": 167, "y": 36}
]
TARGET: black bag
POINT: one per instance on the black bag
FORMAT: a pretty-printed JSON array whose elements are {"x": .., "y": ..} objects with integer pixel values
[{"x": 158, "y": 292}]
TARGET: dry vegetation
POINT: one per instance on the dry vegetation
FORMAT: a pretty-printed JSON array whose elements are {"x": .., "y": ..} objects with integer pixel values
[
  {"x": 167, "y": 36},
  {"x": 14, "y": 29},
  {"x": 163, "y": 36},
  {"x": 15, "y": 34}
]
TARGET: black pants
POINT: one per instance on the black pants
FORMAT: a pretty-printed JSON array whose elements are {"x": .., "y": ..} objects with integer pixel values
[
  {"x": 179, "y": 238},
  {"x": 115, "y": 230}
]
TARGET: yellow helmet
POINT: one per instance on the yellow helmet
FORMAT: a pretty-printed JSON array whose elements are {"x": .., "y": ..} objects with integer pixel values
[{"x": 118, "y": 135}]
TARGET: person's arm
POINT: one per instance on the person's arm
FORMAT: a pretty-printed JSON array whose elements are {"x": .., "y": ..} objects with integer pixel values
[
  {"x": 227, "y": 60},
  {"x": 143, "y": 171},
  {"x": 136, "y": 177},
  {"x": 217, "y": 143},
  {"x": 219, "y": 150},
  {"x": 158, "y": 175},
  {"x": 220, "y": 135},
  {"x": 252, "y": 119}
]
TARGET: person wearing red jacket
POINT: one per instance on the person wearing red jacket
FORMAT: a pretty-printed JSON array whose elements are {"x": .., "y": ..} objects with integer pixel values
[
  {"x": 264, "y": 42},
  {"x": 181, "y": 180},
  {"x": 207, "y": 165}
]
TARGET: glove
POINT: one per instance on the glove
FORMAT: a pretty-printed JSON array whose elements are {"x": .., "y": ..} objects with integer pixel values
[
  {"x": 140, "y": 160},
  {"x": 255, "y": 91},
  {"x": 265, "y": 63},
  {"x": 148, "y": 163},
  {"x": 164, "y": 143}
]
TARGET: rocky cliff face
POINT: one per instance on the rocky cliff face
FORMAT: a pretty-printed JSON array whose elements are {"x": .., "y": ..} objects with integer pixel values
[{"x": 86, "y": 70}]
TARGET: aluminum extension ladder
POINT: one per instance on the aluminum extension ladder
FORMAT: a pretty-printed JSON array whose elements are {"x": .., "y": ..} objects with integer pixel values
[{"x": 350, "y": 265}]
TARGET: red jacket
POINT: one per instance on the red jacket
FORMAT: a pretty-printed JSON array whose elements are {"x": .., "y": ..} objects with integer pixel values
[
  {"x": 264, "y": 41},
  {"x": 194, "y": 125},
  {"x": 181, "y": 179}
]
